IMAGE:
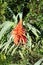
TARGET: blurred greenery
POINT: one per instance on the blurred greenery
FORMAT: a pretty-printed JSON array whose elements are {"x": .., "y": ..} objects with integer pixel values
[{"x": 32, "y": 52}]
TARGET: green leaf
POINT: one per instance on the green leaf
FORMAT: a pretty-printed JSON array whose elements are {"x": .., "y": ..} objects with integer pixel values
[
  {"x": 21, "y": 54},
  {"x": 39, "y": 62},
  {"x": 6, "y": 46},
  {"x": 10, "y": 49},
  {"x": 7, "y": 26},
  {"x": 14, "y": 50},
  {"x": 29, "y": 41},
  {"x": 33, "y": 29}
]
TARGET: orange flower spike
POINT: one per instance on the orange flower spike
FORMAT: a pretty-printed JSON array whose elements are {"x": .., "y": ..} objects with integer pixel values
[{"x": 19, "y": 34}]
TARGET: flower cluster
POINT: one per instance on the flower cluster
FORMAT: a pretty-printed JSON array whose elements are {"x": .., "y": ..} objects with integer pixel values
[{"x": 18, "y": 34}]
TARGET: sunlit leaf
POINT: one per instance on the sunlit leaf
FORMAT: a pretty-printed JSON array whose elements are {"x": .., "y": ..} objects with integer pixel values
[{"x": 7, "y": 26}]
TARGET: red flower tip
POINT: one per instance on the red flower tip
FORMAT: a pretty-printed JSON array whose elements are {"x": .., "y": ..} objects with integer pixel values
[{"x": 18, "y": 34}]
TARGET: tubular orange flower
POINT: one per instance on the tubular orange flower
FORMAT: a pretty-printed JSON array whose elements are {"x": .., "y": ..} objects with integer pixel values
[{"x": 18, "y": 34}]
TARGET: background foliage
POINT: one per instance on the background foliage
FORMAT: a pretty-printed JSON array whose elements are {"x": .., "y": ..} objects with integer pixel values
[{"x": 33, "y": 22}]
